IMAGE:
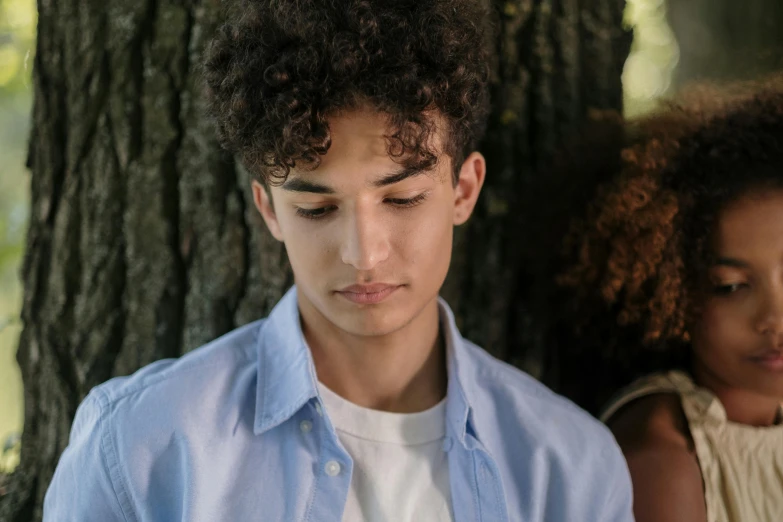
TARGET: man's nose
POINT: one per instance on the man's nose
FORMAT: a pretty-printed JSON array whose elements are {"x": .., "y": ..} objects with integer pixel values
[{"x": 366, "y": 240}]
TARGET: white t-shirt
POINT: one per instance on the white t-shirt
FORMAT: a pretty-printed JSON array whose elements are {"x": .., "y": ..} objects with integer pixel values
[{"x": 400, "y": 469}]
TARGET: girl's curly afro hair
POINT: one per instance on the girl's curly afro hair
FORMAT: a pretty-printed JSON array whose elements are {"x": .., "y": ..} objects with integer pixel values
[
  {"x": 643, "y": 248},
  {"x": 631, "y": 270}
]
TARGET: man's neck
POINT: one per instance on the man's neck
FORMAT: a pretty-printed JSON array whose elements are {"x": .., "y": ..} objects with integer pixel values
[{"x": 402, "y": 372}]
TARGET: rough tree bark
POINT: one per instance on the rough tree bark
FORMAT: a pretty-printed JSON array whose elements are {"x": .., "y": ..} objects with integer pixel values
[{"x": 143, "y": 243}]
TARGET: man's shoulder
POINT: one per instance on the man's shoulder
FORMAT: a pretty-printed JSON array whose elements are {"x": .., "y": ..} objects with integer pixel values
[
  {"x": 172, "y": 385},
  {"x": 533, "y": 414},
  {"x": 547, "y": 445},
  {"x": 136, "y": 439}
]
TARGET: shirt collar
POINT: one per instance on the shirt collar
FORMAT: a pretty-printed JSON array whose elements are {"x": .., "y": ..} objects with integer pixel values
[
  {"x": 287, "y": 380},
  {"x": 286, "y": 374},
  {"x": 459, "y": 367}
]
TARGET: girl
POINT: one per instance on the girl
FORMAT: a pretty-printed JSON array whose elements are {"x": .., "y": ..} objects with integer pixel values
[{"x": 685, "y": 250}]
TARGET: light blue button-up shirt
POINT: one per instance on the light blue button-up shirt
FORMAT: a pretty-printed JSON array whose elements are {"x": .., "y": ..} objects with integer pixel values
[{"x": 235, "y": 431}]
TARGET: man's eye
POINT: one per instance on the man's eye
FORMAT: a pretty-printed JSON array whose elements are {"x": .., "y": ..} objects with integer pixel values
[
  {"x": 407, "y": 202},
  {"x": 314, "y": 213}
]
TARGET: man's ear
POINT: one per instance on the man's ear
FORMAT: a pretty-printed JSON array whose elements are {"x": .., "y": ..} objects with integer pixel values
[
  {"x": 466, "y": 192},
  {"x": 263, "y": 200}
]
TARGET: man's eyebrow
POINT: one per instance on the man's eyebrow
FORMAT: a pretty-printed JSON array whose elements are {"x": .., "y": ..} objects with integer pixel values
[
  {"x": 396, "y": 177},
  {"x": 730, "y": 261},
  {"x": 303, "y": 185}
]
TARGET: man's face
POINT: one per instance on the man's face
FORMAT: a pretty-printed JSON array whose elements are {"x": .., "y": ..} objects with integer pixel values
[{"x": 369, "y": 240}]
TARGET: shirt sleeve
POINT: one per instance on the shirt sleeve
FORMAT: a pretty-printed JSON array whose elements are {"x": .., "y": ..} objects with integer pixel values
[
  {"x": 619, "y": 497},
  {"x": 83, "y": 488}
]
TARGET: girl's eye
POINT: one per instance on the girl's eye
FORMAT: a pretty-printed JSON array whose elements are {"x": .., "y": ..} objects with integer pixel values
[
  {"x": 729, "y": 289},
  {"x": 407, "y": 202},
  {"x": 314, "y": 213}
]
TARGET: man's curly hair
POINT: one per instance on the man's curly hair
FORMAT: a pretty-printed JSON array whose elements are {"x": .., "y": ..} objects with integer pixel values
[
  {"x": 642, "y": 251},
  {"x": 278, "y": 69}
]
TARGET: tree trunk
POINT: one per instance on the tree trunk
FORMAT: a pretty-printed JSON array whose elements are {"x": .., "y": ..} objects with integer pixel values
[{"x": 143, "y": 240}]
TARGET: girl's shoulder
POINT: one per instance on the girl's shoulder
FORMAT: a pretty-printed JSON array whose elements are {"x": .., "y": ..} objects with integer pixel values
[
  {"x": 673, "y": 383},
  {"x": 650, "y": 412},
  {"x": 653, "y": 432},
  {"x": 655, "y": 419}
]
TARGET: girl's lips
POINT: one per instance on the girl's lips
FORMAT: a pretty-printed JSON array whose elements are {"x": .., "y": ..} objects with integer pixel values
[{"x": 771, "y": 359}]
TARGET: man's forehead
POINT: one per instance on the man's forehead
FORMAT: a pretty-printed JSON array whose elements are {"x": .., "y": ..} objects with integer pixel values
[
  {"x": 359, "y": 138},
  {"x": 361, "y": 147},
  {"x": 370, "y": 132}
]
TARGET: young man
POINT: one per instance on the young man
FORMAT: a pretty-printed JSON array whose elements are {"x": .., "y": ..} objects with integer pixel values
[{"x": 357, "y": 398}]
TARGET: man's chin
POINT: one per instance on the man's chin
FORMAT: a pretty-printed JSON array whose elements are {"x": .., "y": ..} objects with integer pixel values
[{"x": 369, "y": 323}]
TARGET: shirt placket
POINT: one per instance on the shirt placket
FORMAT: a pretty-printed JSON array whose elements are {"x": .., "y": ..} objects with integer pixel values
[
  {"x": 333, "y": 469},
  {"x": 477, "y": 490}
]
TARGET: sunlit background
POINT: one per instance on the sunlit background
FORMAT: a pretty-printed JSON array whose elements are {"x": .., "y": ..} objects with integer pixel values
[
  {"x": 17, "y": 43},
  {"x": 646, "y": 78},
  {"x": 650, "y": 66}
]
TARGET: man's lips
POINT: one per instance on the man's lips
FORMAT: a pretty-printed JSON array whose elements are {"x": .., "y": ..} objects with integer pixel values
[{"x": 368, "y": 294}]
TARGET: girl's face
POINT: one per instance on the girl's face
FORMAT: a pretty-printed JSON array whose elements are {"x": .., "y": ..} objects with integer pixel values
[{"x": 738, "y": 339}]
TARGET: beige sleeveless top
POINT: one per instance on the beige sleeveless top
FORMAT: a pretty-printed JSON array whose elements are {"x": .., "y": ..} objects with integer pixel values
[{"x": 742, "y": 466}]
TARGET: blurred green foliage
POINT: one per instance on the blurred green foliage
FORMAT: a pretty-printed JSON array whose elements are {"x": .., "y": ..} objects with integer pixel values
[{"x": 17, "y": 45}]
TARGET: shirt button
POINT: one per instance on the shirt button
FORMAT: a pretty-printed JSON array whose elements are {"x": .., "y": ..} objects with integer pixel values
[
  {"x": 332, "y": 468},
  {"x": 448, "y": 443},
  {"x": 306, "y": 426},
  {"x": 319, "y": 409}
]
